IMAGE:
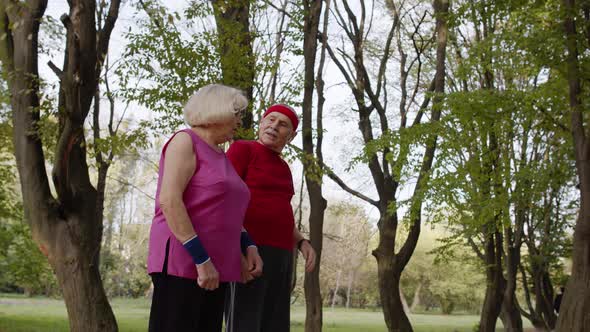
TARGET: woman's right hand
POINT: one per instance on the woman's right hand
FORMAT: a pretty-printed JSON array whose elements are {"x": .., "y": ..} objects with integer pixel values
[{"x": 208, "y": 276}]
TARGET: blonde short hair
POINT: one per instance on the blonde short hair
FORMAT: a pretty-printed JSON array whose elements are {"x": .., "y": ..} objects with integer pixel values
[{"x": 212, "y": 104}]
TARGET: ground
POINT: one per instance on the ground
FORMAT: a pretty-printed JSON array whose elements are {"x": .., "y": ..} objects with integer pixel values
[{"x": 18, "y": 314}]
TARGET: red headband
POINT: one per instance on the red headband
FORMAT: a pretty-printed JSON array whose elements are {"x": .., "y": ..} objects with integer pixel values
[{"x": 286, "y": 110}]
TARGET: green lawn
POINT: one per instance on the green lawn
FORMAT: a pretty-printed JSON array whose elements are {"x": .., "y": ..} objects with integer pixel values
[{"x": 18, "y": 314}]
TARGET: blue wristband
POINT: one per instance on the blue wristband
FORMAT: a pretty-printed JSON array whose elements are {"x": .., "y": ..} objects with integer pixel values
[
  {"x": 246, "y": 241},
  {"x": 196, "y": 250}
]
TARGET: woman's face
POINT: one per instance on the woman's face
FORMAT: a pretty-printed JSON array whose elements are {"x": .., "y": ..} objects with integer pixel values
[
  {"x": 275, "y": 131},
  {"x": 227, "y": 130}
]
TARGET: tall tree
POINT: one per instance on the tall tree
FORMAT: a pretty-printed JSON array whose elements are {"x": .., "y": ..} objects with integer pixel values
[
  {"x": 573, "y": 315},
  {"x": 312, "y": 10},
  {"x": 67, "y": 228},
  {"x": 501, "y": 98},
  {"x": 387, "y": 155}
]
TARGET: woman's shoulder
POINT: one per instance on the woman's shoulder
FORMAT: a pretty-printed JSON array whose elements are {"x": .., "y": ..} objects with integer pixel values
[{"x": 180, "y": 141}]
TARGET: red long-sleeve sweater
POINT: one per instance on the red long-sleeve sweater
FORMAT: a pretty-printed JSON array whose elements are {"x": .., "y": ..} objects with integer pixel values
[{"x": 269, "y": 219}]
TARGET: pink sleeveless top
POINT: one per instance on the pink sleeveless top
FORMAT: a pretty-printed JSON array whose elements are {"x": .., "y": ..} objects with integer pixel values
[{"x": 216, "y": 200}]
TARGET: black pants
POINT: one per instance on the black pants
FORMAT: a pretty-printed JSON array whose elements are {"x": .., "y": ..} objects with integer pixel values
[
  {"x": 179, "y": 304},
  {"x": 263, "y": 304}
]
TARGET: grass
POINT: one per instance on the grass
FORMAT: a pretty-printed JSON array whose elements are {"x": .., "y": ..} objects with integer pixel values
[{"x": 20, "y": 314}]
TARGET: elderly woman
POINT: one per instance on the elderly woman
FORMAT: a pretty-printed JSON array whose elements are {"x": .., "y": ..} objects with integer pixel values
[{"x": 197, "y": 236}]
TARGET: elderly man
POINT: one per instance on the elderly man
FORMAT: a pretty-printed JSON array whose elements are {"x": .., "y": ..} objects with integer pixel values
[{"x": 262, "y": 304}]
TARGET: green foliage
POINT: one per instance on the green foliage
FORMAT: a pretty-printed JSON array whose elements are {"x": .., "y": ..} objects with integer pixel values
[
  {"x": 22, "y": 265},
  {"x": 435, "y": 278},
  {"x": 171, "y": 54},
  {"x": 124, "y": 142},
  {"x": 10, "y": 207},
  {"x": 164, "y": 66},
  {"x": 125, "y": 276},
  {"x": 346, "y": 259},
  {"x": 125, "y": 238}
]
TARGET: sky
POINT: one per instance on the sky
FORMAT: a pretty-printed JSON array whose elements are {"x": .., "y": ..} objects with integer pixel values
[{"x": 341, "y": 138}]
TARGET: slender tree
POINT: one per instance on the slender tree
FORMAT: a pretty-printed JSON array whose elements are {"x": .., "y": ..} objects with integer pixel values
[
  {"x": 387, "y": 155},
  {"x": 312, "y": 10}
]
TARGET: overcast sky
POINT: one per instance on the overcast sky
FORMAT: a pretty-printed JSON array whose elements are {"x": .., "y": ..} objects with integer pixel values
[{"x": 342, "y": 138}]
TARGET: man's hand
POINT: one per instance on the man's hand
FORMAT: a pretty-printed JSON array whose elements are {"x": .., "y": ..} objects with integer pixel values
[
  {"x": 309, "y": 255},
  {"x": 254, "y": 261},
  {"x": 208, "y": 276},
  {"x": 246, "y": 275},
  {"x": 251, "y": 265}
]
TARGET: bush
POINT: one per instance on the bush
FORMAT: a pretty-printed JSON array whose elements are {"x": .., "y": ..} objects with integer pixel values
[{"x": 23, "y": 268}]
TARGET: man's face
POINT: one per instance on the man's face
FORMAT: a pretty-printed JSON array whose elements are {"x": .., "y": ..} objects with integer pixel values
[{"x": 276, "y": 130}]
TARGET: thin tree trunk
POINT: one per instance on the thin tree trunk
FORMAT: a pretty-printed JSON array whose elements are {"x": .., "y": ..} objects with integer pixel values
[
  {"x": 416, "y": 298},
  {"x": 336, "y": 289},
  {"x": 299, "y": 223},
  {"x": 351, "y": 276},
  {"x": 313, "y": 297}
]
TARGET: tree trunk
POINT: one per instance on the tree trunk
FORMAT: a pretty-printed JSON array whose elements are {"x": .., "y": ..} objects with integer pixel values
[
  {"x": 416, "y": 299},
  {"x": 495, "y": 283},
  {"x": 388, "y": 273},
  {"x": 336, "y": 289},
  {"x": 389, "y": 283},
  {"x": 389, "y": 264},
  {"x": 313, "y": 296},
  {"x": 543, "y": 295},
  {"x": 237, "y": 61},
  {"x": 575, "y": 306},
  {"x": 351, "y": 275},
  {"x": 68, "y": 229},
  {"x": 510, "y": 313},
  {"x": 77, "y": 270}
]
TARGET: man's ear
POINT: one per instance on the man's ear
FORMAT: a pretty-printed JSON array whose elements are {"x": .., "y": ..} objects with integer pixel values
[{"x": 292, "y": 136}]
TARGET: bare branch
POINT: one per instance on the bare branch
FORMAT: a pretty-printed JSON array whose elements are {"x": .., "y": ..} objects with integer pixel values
[
  {"x": 343, "y": 23},
  {"x": 346, "y": 188},
  {"x": 66, "y": 21},
  {"x": 330, "y": 173},
  {"x": 386, "y": 51},
  {"x": 527, "y": 293},
  {"x": 475, "y": 248},
  {"x": 104, "y": 34},
  {"x": 282, "y": 10},
  {"x": 56, "y": 70},
  {"x": 424, "y": 105},
  {"x": 127, "y": 183}
]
